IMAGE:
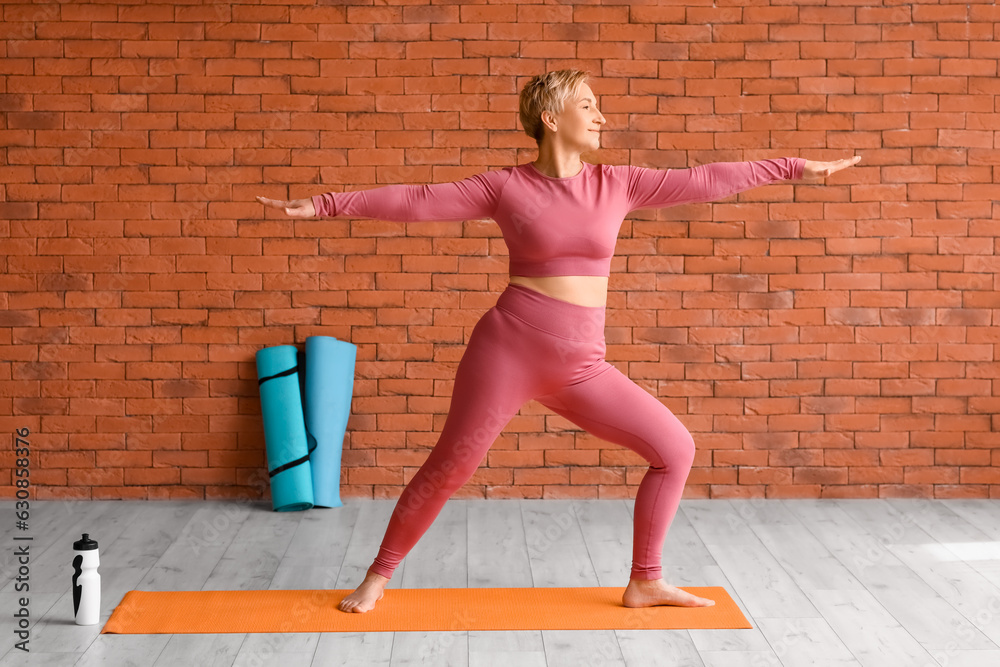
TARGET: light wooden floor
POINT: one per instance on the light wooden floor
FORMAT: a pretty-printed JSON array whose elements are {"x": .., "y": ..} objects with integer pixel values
[{"x": 824, "y": 582}]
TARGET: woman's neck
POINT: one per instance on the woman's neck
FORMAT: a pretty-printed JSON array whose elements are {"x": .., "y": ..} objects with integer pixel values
[{"x": 556, "y": 163}]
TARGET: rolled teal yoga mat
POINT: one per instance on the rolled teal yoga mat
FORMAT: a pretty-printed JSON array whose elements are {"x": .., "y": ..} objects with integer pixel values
[
  {"x": 284, "y": 428},
  {"x": 329, "y": 388}
]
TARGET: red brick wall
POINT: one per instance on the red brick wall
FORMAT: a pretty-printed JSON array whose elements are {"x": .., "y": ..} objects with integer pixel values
[{"x": 818, "y": 340}]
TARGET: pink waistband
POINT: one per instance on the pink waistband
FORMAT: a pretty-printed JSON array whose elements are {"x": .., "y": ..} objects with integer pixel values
[{"x": 555, "y": 316}]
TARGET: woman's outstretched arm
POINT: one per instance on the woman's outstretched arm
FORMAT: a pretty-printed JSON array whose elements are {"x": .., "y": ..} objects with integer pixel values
[
  {"x": 669, "y": 187},
  {"x": 468, "y": 199}
]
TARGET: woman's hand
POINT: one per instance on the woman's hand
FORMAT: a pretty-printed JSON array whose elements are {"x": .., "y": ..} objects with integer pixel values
[
  {"x": 814, "y": 171},
  {"x": 295, "y": 208}
]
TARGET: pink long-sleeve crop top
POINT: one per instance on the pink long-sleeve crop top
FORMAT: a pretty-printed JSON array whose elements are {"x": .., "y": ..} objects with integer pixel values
[{"x": 557, "y": 226}]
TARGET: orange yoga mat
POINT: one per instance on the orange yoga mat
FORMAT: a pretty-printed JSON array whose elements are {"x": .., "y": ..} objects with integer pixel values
[{"x": 412, "y": 609}]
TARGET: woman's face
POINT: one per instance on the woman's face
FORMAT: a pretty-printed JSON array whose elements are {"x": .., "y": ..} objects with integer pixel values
[{"x": 579, "y": 124}]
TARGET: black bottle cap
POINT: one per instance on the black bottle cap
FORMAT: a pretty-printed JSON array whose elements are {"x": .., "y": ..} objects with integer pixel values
[{"x": 86, "y": 544}]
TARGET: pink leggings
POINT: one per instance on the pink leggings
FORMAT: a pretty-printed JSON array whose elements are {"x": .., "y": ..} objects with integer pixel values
[{"x": 532, "y": 346}]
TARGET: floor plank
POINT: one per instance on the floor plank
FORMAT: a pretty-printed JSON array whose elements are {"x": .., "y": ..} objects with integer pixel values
[{"x": 498, "y": 558}]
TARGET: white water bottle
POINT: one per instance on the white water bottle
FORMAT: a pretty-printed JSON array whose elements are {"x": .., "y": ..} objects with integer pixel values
[{"x": 86, "y": 582}]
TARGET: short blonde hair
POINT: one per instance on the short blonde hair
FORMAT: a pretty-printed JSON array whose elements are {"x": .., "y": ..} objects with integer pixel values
[{"x": 548, "y": 91}]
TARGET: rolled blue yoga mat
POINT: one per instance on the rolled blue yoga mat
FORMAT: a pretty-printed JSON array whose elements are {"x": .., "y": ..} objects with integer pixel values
[
  {"x": 329, "y": 385},
  {"x": 284, "y": 428}
]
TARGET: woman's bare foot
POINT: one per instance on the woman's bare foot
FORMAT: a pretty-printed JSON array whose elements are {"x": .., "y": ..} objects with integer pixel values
[
  {"x": 367, "y": 594},
  {"x": 651, "y": 592}
]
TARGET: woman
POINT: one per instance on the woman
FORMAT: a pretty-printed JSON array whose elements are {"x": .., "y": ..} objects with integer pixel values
[{"x": 544, "y": 338}]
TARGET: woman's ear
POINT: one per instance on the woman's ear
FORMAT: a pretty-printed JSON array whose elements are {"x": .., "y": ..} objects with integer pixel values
[{"x": 550, "y": 121}]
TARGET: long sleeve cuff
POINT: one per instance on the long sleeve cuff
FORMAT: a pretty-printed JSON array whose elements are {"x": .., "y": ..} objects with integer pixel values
[
  {"x": 324, "y": 205},
  {"x": 798, "y": 166}
]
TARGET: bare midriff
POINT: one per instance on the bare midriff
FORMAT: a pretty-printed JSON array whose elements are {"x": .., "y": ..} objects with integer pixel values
[{"x": 581, "y": 290}]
